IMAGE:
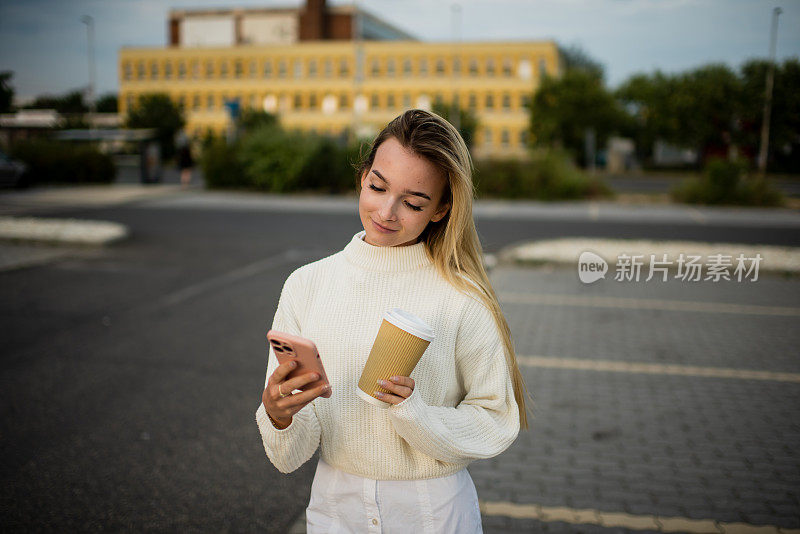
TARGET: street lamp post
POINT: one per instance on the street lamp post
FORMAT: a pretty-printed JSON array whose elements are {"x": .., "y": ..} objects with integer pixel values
[
  {"x": 455, "y": 114},
  {"x": 89, "y": 21},
  {"x": 764, "y": 150}
]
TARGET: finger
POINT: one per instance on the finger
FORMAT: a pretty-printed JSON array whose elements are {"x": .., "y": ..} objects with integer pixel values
[
  {"x": 304, "y": 397},
  {"x": 299, "y": 381},
  {"x": 282, "y": 370},
  {"x": 402, "y": 391},
  {"x": 388, "y": 397},
  {"x": 403, "y": 381}
]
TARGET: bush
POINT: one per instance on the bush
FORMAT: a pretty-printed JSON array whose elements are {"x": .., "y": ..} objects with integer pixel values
[
  {"x": 221, "y": 167},
  {"x": 60, "y": 162},
  {"x": 547, "y": 176},
  {"x": 269, "y": 158},
  {"x": 727, "y": 182}
]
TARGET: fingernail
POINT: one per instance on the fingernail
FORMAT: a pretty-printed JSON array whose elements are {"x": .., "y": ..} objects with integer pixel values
[
  {"x": 315, "y": 376},
  {"x": 381, "y": 382},
  {"x": 378, "y": 394},
  {"x": 292, "y": 364}
]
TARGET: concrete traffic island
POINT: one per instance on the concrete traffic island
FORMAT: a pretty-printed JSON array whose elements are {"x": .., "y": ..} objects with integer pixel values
[{"x": 61, "y": 231}]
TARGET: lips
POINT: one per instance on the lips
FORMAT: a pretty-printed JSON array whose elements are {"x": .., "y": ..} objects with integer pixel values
[{"x": 383, "y": 228}]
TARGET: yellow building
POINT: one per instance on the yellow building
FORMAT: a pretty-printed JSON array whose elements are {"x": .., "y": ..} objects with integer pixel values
[{"x": 329, "y": 86}]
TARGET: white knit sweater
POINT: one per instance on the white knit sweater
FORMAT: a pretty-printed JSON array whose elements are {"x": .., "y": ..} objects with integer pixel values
[{"x": 462, "y": 407}]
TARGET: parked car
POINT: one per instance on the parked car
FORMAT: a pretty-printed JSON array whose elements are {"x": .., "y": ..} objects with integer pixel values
[{"x": 11, "y": 171}]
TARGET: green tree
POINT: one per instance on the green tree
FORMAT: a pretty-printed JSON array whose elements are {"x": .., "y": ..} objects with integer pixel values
[
  {"x": 70, "y": 103},
  {"x": 468, "y": 122},
  {"x": 156, "y": 110},
  {"x": 565, "y": 108},
  {"x": 107, "y": 103},
  {"x": 698, "y": 108},
  {"x": 252, "y": 119},
  {"x": 576, "y": 58},
  {"x": 6, "y": 91},
  {"x": 784, "y": 143}
]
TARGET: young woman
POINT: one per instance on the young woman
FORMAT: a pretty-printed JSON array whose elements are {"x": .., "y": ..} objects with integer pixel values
[{"x": 403, "y": 467}]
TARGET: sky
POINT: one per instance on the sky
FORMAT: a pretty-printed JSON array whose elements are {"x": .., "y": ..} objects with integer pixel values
[{"x": 44, "y": 42}]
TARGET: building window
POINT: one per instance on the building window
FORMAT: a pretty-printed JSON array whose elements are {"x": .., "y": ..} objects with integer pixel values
[
  {"x": 253, "y": 69},
  {"x": 542, "y": 67},
  {"x": 210, "y": 102},
  {"x": 472, "y": 102},
  {"x": 312, "y": 101},
  {"x": 456, "y": 66},
  {"x": 506, "y": 102},
  {"x": 195, "y": 69},
  {"x": 196, "y": 102},
  {"x": 209, "y": 69},
  {"x": 153, "y": 71},
  {"x": 473, "y": 67},
  {"x": 328, "y": 68},
  {"x": 440, "y": 67},
  {"x": 390, "y": 67},
  {"x": 238, "y": 68},
  {"x": 343, "y": 101},
  {"x": 490, "y": 101},
  {"x": 168, "y": 70},
  {"x": 487, "y": 137},
  {"x": 407, "y": 67},
  {"x": 375, "y": 101},
  {"x": 390, "y": 101},
  {"x": 344, "y": 68},
  {"x": 507, "y": 68},
  {"x": 523, "y": 137},
  {"x": 312, "y": 68},
  {"x": 127, "y": 70},
  {"x": 298, "y": 101},
  {"x": 223, "y": 69},
  {"x": 423, "y": 67},
  {"x": 129, "y": 101},
  {"x": 282, "y": 69},
  {"x": 375, "y": 70},
  {"x": 182, "y": 102},
  {"x": 525, "y": 101},
  {"x": 140, "y": 70},
  {"x": 504, "y": 138},
  {"x": 406, "y": 100},
  {"x": 490, "y": 67},
  {"x": 298, "y": 68}
]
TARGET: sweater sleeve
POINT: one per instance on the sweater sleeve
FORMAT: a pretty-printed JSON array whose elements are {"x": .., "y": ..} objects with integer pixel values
[
  {"x": 291, "y": 447},
  {"x": 486, "y": 421}
]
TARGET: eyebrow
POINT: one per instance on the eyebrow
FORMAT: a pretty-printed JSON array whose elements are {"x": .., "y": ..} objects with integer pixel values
[{"x": 407, "y": 192}]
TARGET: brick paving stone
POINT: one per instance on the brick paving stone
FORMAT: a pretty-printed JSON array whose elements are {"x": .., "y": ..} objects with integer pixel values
[{"x": 679, "y": 446}]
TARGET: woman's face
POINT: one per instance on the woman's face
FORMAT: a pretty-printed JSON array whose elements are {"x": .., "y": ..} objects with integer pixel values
[{"x": 400, "y": 195}]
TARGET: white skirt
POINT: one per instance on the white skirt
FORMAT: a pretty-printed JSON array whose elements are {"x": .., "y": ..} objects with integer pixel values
[{"x": 343, "y": 502}]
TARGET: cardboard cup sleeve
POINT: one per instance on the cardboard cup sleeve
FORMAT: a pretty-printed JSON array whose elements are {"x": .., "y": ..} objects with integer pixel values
[{"x": 401, "y": 341}]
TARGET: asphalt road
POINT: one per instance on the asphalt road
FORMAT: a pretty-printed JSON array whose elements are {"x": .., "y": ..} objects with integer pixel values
[{"x": 130, "y": 376}]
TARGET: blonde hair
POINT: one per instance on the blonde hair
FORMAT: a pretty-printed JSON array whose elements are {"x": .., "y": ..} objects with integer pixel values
[{"x": 452, "y": 242}]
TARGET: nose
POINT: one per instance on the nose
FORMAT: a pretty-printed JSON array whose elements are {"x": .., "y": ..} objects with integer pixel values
[{"x": 386, "y": 211}]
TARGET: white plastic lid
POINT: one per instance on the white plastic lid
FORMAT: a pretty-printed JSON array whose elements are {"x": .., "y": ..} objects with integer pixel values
[{"x": 410, "y": 323}]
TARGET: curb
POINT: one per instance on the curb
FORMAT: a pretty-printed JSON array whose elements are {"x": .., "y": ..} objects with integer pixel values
[
  {"x": 61, "y": 231},
  {"x": 566, "y": 252}
]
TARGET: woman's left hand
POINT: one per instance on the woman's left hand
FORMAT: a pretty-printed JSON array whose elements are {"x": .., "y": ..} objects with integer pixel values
[{"x": 399, "y": 386}]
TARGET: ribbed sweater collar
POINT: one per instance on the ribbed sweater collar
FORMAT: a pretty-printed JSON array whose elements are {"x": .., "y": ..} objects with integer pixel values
[{"x": 387, "y": 259}]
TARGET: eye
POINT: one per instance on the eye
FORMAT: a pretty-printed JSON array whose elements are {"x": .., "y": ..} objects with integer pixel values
[{"x": 410, "y": 205}]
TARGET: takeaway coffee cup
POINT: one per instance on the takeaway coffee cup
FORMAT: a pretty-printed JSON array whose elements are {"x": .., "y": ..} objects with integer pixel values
[{"x": 399, "y": 345}]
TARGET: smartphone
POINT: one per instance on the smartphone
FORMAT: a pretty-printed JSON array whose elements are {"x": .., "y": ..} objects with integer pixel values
[{"x": 289, "y": 347}]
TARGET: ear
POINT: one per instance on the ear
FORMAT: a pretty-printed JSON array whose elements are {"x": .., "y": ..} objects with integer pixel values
[
  {"x": 439, "y": 215},
  {"x": 364, "y": 178}
]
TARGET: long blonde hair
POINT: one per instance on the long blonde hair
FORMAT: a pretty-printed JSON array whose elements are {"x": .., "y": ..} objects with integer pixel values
[{"x": 452, "y": 242}]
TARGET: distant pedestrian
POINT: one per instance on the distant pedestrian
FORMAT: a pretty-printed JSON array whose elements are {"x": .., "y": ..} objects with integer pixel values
[
  {"x": 185, "y": 161},
  {"x": 402, "y": 467}
]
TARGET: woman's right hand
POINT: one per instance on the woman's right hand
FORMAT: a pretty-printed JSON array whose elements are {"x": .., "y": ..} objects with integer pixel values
[{"x": 282, "y": 409}]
